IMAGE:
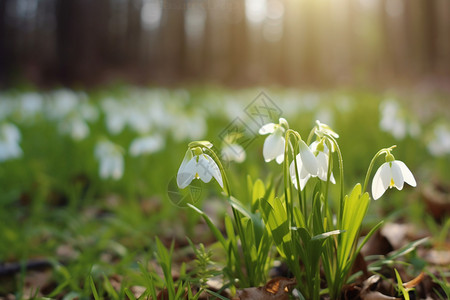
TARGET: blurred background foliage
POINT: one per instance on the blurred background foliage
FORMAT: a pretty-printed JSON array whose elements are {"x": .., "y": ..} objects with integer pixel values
[{"x": 237, "y": 42}]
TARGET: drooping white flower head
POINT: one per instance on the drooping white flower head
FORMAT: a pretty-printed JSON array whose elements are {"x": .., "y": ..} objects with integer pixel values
[
  {"x": 233, "y": 152},
  {"x": 390, "y": 174},
  {"x": 312, "y": 161},
  {"x": 198, "y": 165},
  {"x": 322, "y": 155},
  {"x": 322, "y": 128},
  {"x": 275, "y": 142},
  {"x": 111, "y": 160}
]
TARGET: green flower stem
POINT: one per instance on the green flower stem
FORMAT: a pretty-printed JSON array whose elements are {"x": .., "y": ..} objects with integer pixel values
[
  {"x": 372, "y": 163},
  {"x": 327, "y": 184},
  {"x": 290, "y": 203},
  {"x": 341, "y": 175},
  {"x": 311, "y": 134}
]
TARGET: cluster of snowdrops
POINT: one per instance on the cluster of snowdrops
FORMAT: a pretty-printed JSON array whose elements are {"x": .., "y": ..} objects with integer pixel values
[{"x": 309, "y": 231}]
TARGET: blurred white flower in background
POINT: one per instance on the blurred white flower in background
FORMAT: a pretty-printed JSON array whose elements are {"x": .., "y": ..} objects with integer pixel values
[
  {"x": 9, "y": 142},
  {"x": 115, "y": 115},
  {"x": 326, "y": 115},
  {"x": 395, "y": 120},
  {"x": 188, "y": 127},
  {"x": 146, "y": 145},
  {"x": 31, "y": 104},
  {"x": 61, "y": 103},
  {"x": 233, "y": 152},
  {"x": 439, "y": 145},
  {"x": 110, "y": 158},
  {"x": 74, "y": 126}
]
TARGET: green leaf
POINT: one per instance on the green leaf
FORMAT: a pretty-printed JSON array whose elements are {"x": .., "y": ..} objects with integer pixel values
[
  {"x": 400, "y": 286},
  {"x": 93, "y": 288},
  {"x": 164, "y": 258},
  {"x": 129, "y": 294},
  {"x": 216, "y": 295},
  {"x": 215, "y": 231},
  {"x": 355, "y": 208},
  {"x": 109, "y": 288},
  {"x": 258, "y": 192},
  {"x": 257, "y": 221},
  {"x": 407, "y": 248}
]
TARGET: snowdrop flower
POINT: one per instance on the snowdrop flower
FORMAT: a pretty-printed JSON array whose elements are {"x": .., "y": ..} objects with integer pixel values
[
  {"x": 312, "y": 161},
  {"x": 275, "y": 142},
  {"x": 9, "y": 142},
  {"x": 111, "y": 160},
  {"x": 322, "y": 155},
  {"x": 391, "y": 173},
  {"x": 233, "y": 152},
  {"x": 146, "y": 145},
  {"x": 198, "y": 165},
  {"x": 322, "y": 128}
]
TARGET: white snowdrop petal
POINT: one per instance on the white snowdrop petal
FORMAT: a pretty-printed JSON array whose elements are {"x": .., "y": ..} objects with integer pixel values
[
  {"x": 378, "y": 187},
  {"x": 308, "y": 159},
  {"x": 268, "y": 128},
  {"x": 292, "y": 172},
  {"x": 186, "y": 172},
  {"x": 385, "y": 175},
  {"x": 187, "y": 157},
  {"x": 214, "y": 170},
  {"x": 273, "y": 146},
  {"x": 204, "y": 168},
  {"x": 332, "y": 180},
  {"x": 407, "y": 175},
  {"x": 280, "y": 158},
  {"x": 304, "y": 181},
  {"x": 322, "y": 160},
  {"x": 397, "y": 175}
]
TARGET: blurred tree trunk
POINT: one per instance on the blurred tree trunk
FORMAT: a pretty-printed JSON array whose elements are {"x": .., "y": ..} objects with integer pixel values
[
  {"x": 5, "y": 53},
  {"x": 81, "y": 27},
  {"x": 172, "y": 40},
  {"x": 238, "y": 42}
]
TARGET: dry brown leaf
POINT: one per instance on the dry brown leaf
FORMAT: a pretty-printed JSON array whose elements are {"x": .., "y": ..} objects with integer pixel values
[
  {"x": 414, "y": 282},
  {"x": 438, "y": 257},
  {"x": 437, "y": 199},
  {"x": 377, "y": 296},
  {"x": 138, "y": 290},
  {"x": 275, "y": 289}
]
